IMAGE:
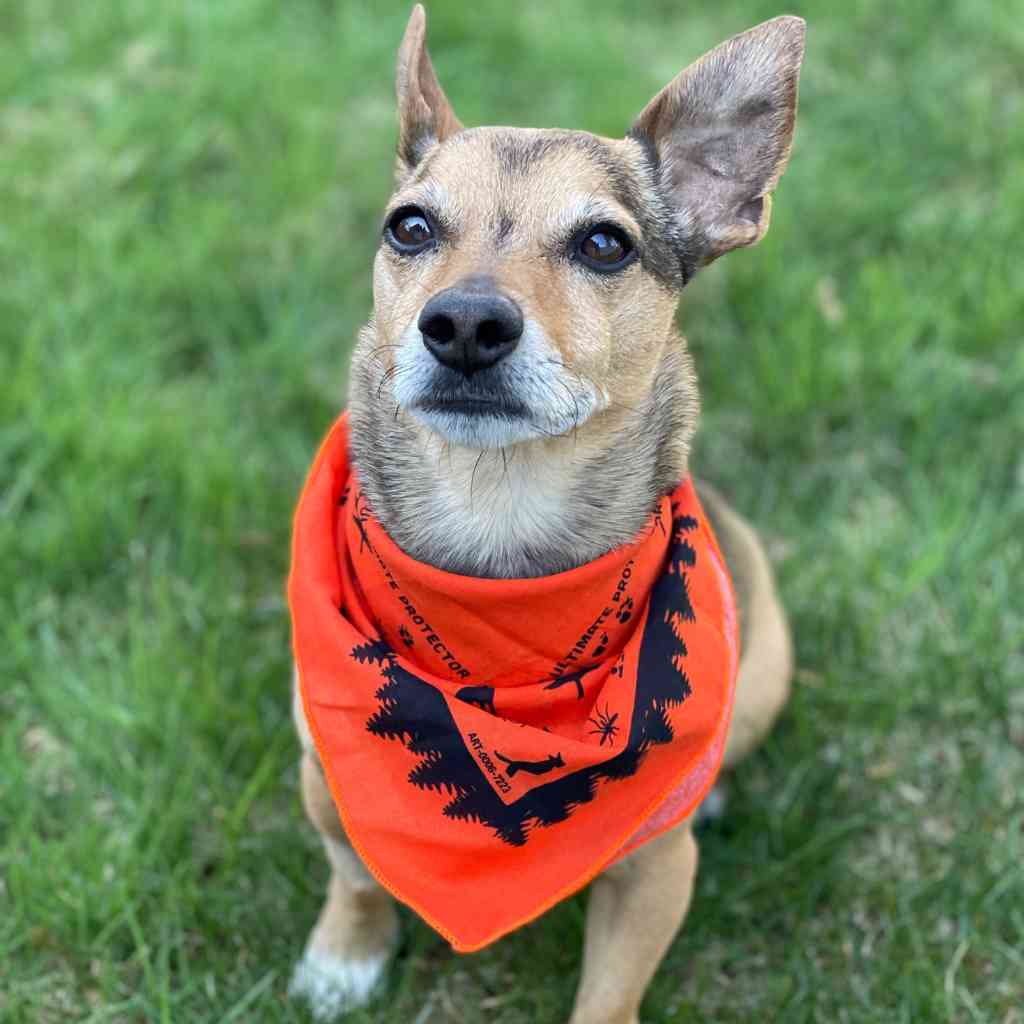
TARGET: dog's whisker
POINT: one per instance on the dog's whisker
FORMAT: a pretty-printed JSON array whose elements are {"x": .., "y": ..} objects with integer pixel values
[
  {"x": 389, "y": 374},
  {"x": 541, "y": 430},
  {"x": 472, "y": 477},
  {"x": 629, "y": 408},
  {"x": 576, "y": 410},
  {"x": 582, "y": 382},
  {"x": 504, "y": 467},
  {"x": 372, "y": 354}
]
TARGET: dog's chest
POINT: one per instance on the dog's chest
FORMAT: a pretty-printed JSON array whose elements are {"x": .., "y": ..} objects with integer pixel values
[{"x": 496, "y": 511}]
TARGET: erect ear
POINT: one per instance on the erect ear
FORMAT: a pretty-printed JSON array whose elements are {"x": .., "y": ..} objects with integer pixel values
[
  {"x": 722, "y": 130},
  {"x": 424, "y": 114}
]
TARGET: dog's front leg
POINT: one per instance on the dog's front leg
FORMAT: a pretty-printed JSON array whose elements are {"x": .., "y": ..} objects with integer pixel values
[
  {"x": 635, "y": 910},
  {"x": 353, "y": 939}
]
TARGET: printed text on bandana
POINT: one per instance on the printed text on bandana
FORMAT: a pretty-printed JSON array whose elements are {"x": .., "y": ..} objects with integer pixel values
[
  {"x": 581, "y": 645},
  {"x": 500, "y": 782},
  {"x": 418, "y": 622}
]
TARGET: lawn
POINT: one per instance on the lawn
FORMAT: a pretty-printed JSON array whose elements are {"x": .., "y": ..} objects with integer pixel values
[{"x": 190, "y": 193}]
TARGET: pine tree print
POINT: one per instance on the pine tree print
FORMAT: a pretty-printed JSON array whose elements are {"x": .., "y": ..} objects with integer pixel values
[{"x": 415, "y": 713}]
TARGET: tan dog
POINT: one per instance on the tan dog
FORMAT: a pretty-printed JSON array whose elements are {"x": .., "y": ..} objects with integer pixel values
[{"x": 521, "y": 399}]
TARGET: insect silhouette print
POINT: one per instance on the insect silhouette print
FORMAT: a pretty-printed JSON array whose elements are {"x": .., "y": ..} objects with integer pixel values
[{"x": 604, "y": 725}]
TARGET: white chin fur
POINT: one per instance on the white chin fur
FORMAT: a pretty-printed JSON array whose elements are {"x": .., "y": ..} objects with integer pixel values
[
  {"x": 478, "y": 431},
  {"x": 333, "y": 986}
]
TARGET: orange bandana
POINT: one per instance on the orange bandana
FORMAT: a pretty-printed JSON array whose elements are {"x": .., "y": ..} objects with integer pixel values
[{"x": 492, "y": 745}]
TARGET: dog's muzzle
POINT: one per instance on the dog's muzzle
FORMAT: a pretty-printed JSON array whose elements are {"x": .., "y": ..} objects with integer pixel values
[{"x": 478, "y": 371}]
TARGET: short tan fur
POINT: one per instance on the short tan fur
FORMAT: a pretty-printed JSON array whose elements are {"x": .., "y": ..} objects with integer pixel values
[{"x": 558, "y": 452}]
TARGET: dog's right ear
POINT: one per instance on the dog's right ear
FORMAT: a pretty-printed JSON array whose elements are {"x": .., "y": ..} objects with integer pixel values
[
  {"x": 425, "y": 116},
  {"x": 721, "y": 133}
]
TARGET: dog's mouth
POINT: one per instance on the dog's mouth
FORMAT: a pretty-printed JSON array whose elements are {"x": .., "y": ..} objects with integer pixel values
[
  {"x": 468, "y": 413},
  {"x": 475, "y": 405}
]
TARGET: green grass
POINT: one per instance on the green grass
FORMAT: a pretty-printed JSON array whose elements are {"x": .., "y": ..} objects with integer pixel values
[{"x": 189, "y": 195}]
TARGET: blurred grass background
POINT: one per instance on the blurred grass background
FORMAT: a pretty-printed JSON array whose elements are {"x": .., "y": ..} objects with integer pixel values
[{"x": 190, "y": 195}]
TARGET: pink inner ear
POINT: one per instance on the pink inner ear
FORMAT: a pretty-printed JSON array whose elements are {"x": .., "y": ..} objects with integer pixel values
[
  {"x": 723, "y": 129},
  {"x": 752, "y": 210}
]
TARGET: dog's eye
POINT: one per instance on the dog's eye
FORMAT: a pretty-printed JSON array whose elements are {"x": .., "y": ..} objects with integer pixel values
[
  {"x": 409, "y": 230},
  {"x": 605, "y": 247}
]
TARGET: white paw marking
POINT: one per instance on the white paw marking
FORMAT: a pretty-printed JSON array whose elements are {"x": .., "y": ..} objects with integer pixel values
[{"x": 333, "y": 986}]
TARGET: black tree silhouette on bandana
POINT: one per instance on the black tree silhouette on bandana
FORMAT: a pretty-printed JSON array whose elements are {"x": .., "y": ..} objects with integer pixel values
[
  {"x": 415, "y": 713},
  {"x": 481, "y": 696}
]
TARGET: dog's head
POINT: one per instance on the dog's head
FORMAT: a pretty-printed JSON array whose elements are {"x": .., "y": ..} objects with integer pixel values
[{"x": 526, "y": 280}]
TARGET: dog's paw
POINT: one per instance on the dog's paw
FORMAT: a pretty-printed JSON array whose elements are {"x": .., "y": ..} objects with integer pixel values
[
  {"x": 712, "y": 807},
  {"x": 333, "y": 986}
]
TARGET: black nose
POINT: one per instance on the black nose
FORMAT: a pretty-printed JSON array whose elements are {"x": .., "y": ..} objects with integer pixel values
[{"x": 471, "y": 325}]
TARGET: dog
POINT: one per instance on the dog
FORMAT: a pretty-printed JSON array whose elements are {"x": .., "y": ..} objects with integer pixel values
[{"x": 521, "y": 399}]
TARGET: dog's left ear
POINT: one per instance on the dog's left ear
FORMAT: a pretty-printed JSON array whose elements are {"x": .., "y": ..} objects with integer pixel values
[
  {"x": 722, "y": 130},
  {"x": 424, "y": 114}
]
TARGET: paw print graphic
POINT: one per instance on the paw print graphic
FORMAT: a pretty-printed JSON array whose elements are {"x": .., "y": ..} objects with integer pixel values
[
  {"x": 626, "y": 611},
  {"x": 618, "y": 666},
  {"x": 405, "y": 635},
  {"x": 602, "y": 645}
]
